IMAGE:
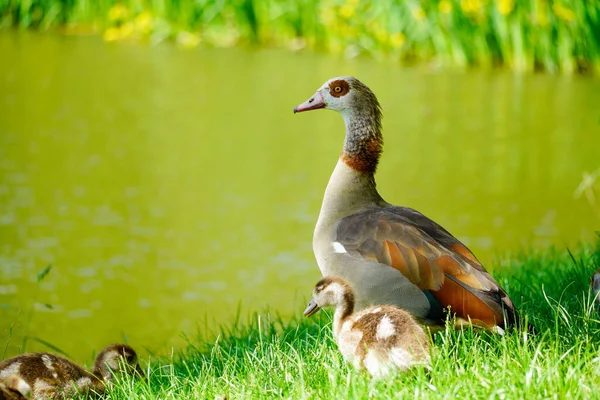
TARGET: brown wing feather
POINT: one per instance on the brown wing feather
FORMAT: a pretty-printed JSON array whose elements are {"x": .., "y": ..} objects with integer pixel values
[
  {"x": 430, "y": 257},
  {"x": 465, "y": 303}
]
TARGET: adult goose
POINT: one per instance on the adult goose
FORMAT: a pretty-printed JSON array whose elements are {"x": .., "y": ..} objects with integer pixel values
[{"x": 390, "y": 254}]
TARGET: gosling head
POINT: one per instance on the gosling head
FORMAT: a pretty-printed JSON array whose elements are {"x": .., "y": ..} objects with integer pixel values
[
  {"x": 330, "y": 291},
  {"x": 116, "y": 359},
  {"x": 595, "y": 284},
  {"x": 344, "y": 94}
]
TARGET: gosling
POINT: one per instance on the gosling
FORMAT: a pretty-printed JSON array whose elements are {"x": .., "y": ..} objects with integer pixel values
[
  {"x": 14, "y": 388},
  {"x": 54, "y": 377},
  {"x": 380, "y": 338}
]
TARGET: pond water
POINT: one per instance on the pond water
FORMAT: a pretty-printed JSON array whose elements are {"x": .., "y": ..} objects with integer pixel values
[{"x": 167, "y": 187}]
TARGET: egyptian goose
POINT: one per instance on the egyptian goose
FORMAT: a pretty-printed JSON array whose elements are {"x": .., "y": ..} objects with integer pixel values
[
  {"x": 379, "y": 338},
  {"x": 14, "y": 388},
  {"x": 55, "y": 377},
  {"x": 390, "y": 254}
]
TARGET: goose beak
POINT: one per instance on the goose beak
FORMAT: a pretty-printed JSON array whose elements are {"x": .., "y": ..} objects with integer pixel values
[
  {"x": 312, "y": 308},
  {"x": 313, "y": 103}
]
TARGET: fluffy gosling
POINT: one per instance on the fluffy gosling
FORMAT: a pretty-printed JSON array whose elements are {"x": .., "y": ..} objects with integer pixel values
[
  {"x": 379, "y": 338},
  {"x": 14, "y": 388},
  {"x": 54, "y": 377}
]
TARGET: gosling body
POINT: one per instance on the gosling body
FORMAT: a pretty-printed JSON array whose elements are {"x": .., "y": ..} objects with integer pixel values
[
  {"x": 54, "y": 377},
  {"x": 380, "y": 339}
]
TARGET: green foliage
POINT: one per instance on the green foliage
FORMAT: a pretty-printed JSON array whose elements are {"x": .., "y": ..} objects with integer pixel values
[
  {"x": 527, "y": 35},
  {"x": 272, "y": 357}
]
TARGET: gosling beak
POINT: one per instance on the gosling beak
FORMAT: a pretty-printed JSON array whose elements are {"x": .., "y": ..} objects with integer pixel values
[
  {"x": 312, "y": 308},
  {"x": 313, "y": 103}
]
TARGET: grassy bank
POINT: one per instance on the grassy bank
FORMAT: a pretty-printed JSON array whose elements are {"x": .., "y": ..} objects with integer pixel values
[
  {"x": 298, "y": 358},
  {"x": 526, "y": 35}
]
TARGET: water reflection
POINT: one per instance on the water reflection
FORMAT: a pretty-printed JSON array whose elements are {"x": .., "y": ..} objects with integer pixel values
[{"x": 166, "y": 187}]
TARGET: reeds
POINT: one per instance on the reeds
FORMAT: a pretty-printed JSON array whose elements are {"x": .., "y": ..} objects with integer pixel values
[{"x": 524, "y": 36}]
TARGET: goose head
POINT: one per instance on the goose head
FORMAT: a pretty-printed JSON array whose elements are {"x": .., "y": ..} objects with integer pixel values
[
  {"x": 329, "y": 291},
  {"x": 116, "y": 359},
  {"x": 344, "y": 94}
]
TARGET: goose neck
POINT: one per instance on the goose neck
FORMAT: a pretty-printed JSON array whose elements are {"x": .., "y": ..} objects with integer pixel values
[{"x": 363, "y": 143}]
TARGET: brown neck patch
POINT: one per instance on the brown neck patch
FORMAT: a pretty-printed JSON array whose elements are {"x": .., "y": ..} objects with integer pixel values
[{"x": 364, "y": 156}]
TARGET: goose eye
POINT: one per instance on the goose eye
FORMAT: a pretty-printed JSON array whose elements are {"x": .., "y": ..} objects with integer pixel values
[{"x": 339, "y": 88}]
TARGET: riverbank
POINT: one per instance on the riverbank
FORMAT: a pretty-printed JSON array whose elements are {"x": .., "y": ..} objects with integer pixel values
[
  {"x": 270, "y": 357},
  {"x": 522, "y": 36}
]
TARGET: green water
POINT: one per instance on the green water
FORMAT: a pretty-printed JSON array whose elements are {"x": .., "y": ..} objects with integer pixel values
[{"x": 167, "y": 186}]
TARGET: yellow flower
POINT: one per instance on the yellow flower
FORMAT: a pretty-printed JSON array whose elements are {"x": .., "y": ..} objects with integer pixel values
[
  {"x": 445, "y": 7},
  {"x": 112, "y": 34},
  {"x": 418, "y": 13},
  {"x": 126, "y": 30},
  {"x": 328, "y": 16},
  {"x": 381, "y": 34},
  {"x": 505, "y": 7},
  {"x": 397, "y": 39},
  {"x": 118, "y": 12},
  {"x": 471, "y": 6},
  {"x": 187, "y": 40},
  {"x": 563, "y": 12},
  {"x": 143, "y": 22},
  {"x": 347, "y": 11}
]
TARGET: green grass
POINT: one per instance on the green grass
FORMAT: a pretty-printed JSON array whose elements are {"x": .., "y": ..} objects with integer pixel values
[
  {"x": 297, "y": 358},
  {"x": 522, "y": 35}
]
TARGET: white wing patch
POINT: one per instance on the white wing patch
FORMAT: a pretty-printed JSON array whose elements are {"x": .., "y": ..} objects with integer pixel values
[
  {"x": 12, "y": 369},
  {"x": 385, "y": 328},
  {"x": 83, "y": 383},
  {"x": 498, "y": 330},
  {"x": 47, "y": 362},
  {"x": 339, "y": 248},
  {"x": 22, "y": 387}
]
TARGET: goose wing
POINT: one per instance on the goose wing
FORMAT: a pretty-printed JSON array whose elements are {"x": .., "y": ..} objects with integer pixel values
[{"x": 431, "y": 258}]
